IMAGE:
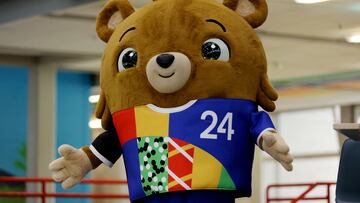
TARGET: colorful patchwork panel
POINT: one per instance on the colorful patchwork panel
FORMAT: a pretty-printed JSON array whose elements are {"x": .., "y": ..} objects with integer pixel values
[
  {"x": 153, "y": 162},
  {"x": 175, "y": 151},
  {"x": 192, "y": 168},
  {"x": 180, "y": 165},
  {"x": 168, "y": 164}
]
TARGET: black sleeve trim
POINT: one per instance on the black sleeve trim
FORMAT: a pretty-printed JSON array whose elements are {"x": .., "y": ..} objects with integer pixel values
[{"x": 108, "y": 146}]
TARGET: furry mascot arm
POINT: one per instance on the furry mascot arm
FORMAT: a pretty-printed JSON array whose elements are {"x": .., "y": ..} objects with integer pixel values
[
  {"x": 71, "y": 168},
  {"x": 76, "y": 163},
  {"x": 270, "y": 141},
  {"x": 276, "y": 147}
]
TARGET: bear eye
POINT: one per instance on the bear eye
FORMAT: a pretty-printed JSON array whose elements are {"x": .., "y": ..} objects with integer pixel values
[
  {"x": 215, "y": 49},
  {"x": 127, "y": 59}
]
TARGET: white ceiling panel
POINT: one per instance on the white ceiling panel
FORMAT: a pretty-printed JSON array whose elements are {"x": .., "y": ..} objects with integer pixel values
[
  {"x": 331, "y": 19},
  {"x": 50, "y": 35},
  {"x": 298, "y": 58},
  {"x": 300, "y": 40}
]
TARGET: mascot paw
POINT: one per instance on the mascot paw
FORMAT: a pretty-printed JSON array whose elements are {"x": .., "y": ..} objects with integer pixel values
[
  {"x": 277, "y": 148},
  {"x": 71, "y": 167}
]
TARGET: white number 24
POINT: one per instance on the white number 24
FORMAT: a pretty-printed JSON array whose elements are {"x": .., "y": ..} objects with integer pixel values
[{"x": 221, "y": 129}]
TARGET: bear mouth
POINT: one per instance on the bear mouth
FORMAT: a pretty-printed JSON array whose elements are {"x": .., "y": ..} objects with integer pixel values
[{"x": 167, "y": 76}]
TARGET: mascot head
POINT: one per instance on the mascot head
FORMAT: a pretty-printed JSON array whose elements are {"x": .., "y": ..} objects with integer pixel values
[{"x": 173, "y": 51}]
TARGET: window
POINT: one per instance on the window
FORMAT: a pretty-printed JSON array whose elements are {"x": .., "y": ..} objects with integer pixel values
[
  {"x": 315, "y": 146},
  {"x": 357, "y": 114},
  {"x": 309, "y": 131}
]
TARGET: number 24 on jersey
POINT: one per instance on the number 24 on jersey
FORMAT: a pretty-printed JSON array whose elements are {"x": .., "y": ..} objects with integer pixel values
[{"x": 228, "y": 119}]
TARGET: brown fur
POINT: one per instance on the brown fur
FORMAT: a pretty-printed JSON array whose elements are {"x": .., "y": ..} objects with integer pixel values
[
  {"x": 104, "y": 16},
  {"x": 180, "y": 26},
  {"x": 95, "y": 162},
  {"x": 256, "y": 19}
]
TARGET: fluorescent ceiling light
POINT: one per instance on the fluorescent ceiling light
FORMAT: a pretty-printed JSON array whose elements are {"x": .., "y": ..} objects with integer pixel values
[
  {"x": 309, "y": 1},
  {"x": 94, "y": 99},
  {"x": 95, "y": 124},
  {"x": 353, "y": 39}
]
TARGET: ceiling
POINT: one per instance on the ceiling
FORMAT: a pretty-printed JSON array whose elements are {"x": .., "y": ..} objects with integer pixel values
[{"x": 300, "y": 40}]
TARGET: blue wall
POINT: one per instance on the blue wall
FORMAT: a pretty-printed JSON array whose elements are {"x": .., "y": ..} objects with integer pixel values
[
  {"x": 73, "y": 108},
  {"x": 14, "y": 116},
  {"x": 73, "y": 113}
]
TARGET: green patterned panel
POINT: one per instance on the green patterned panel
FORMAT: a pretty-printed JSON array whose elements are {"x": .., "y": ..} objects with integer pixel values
[{"x": 153, "y": 158}]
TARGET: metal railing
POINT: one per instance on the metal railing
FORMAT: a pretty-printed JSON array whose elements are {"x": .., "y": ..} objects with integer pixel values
[
  {"x": 43, "y": 193},
  {"x": 309, "y": 187}
]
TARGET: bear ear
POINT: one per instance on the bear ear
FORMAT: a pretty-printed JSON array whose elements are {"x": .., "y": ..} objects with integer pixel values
[
  {"x": 254, "y": 11},
  {"x": 113, "y": 13}
]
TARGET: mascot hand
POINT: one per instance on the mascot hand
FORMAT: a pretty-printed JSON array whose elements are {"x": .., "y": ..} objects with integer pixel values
[
  {"x": 71, "y": 167},
  {"x": 275, "y": 146}
]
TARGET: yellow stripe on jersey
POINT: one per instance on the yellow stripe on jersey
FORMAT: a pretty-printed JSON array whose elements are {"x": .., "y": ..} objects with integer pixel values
[
  {"x": 184, "y": 178},
  {"x": 206, "y": 170},
  {"x": 175, "y": 151},
  {"x": 150, "y": 123}
]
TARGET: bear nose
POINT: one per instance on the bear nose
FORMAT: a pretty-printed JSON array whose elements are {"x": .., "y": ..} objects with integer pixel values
[{"x": 165, "y": 60}]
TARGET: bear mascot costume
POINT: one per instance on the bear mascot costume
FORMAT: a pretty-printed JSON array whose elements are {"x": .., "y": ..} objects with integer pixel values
[{"x": 181, "y": 82}]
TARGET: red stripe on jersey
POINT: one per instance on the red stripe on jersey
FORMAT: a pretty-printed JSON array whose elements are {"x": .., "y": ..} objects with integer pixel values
[
  {"x": 180, "y": 165},
  {"x": 124, "y": 122}
]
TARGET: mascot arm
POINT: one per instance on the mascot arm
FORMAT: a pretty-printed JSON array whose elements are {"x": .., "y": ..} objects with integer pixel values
[
  {"x": 276, "y": 147},
  {"x": 105, "y": 149},
  {"x": 266, "y": 137},
  {"x": 71, "y": 167},
  {"x": 74, "y": 163}
]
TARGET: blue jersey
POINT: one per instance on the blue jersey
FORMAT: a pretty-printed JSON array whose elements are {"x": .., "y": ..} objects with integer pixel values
[{"x": 207, "y": 144}]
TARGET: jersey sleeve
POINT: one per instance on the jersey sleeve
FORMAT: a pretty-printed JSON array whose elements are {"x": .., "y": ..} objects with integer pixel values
[
  {"x": 261, "y": 122},
  {"x": 107, "y": 148}
]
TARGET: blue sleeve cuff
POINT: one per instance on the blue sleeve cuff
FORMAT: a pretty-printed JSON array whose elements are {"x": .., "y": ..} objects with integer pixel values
[{"x": 261, "y": 122}]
